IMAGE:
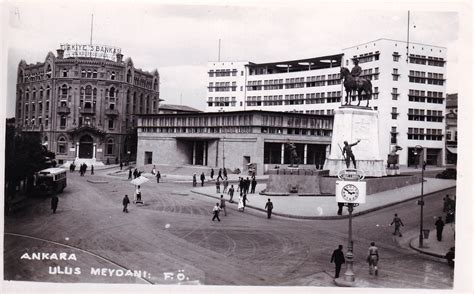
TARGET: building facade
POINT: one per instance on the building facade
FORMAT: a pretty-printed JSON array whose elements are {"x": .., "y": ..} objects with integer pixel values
[
  {"x": 409, "y": 91},
  {"x": 234, "y": 139},
  {"x": 85, "y": 107},
  {"x": 451, "y": 128}
]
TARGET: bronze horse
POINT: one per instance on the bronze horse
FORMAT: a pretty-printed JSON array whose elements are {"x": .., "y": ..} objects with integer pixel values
[{"x": 351, "y": 85}]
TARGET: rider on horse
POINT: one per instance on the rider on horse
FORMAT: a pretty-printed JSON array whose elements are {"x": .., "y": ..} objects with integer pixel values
[{"x": 356, "y": 70}]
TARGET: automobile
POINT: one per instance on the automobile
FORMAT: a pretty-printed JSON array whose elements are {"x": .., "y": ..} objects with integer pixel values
[{"x": 449, "y": 173}]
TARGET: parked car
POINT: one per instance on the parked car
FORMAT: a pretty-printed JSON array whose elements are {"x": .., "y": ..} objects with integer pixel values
[{"x": 449, "y": 173}]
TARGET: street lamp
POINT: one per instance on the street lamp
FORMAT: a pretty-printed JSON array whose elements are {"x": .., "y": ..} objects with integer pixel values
[{"x": 418, "y": 152}]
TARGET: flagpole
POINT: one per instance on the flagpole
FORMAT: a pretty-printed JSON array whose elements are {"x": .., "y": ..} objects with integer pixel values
[{"x": 408, "y": 35}]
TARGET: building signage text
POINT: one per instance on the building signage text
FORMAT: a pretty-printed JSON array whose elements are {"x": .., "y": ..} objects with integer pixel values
[{"x": 87, "y": 50}]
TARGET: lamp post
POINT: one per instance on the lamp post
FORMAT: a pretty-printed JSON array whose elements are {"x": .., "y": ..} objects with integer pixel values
[
  {"x": 349, "y": 274},
  {"x": 418, "y": 152}
]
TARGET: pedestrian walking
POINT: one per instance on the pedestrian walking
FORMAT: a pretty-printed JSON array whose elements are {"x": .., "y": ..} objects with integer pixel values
[
  {"x": 121, "y": 165},
  {"x": 446, "y": 201},
  {"x": 245, "y": 200},
  {"x": 241, "y": 205},
  {"x": 216, "y": 211},
  {"x": 203, "y": 178},
  {"x": 125, "y": 203},
  {"x": 439, "y": 228},
  {"x": 85, "y": 169},
  {"x": 129, "y": 174},
  {"x": 231, "y": 193},
  {"x": 222, "y": 205},
  {"x": 135, "y": 173},
  {"x": 225, "y": 183},
  {"x": 225, "y": 173},
  {"x": 254, "y": 184},
  {"x": 338, "y": 259},
  {"x": 153, "y": 170},
  {"x": 194, "y": 180},
  {"x": 398, "y": 222},
  {"x": 138, "y": 195},
  {"x": 218, "y": 186},
  {"x": 450, "y": 256},
  {"x": 158, "y": 176},
  {"x": 247, "y": 185},
  {"x": 340, "y": 205},
  {"x": 269, "y": 208},
  {"x": 54, "y": 203},
  {"x": 219, "y": 175},
  {"x": 92, "y": 169},
  {"x": 373, "y": 258},
  {"x": 212, "y": 173}
]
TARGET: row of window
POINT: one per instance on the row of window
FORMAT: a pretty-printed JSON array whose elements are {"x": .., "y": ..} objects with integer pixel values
[
  {"x": 420, "y": 134},
  {"x": 430, "y": 60},
  {"x": 224, "y": 72},
  {"x": 419, "y": 115}
]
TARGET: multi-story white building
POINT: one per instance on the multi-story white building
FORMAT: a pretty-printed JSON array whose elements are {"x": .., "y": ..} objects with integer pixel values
[{"x": 408, "y": 80}]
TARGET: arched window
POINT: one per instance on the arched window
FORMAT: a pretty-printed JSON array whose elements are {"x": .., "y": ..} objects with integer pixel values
[
  {"x": 64, "y": 92},
  {"x": 94, "y": 74},
  {"x": 62, "y": 145},
  {"x": 110, "y": 147},
  {"x": 48, "y": 71},
  {"x": 83, "y": 73},
  {"x": 141, "y": 104},
  {"x": 155, "y": 84},
  {"x": 89, "y": 74},
  {"x": 112, "y": 75},
  {"x": 129, "y": 76}
]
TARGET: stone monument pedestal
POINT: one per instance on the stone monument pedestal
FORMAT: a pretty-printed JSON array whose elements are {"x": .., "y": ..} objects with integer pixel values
[{"x": 352, "y": 124}]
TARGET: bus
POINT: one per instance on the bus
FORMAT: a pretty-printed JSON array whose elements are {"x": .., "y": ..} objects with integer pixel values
[{"x": 50, "y": 181}]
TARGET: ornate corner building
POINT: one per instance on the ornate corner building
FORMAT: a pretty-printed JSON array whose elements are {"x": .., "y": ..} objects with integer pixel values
[{"x": 85, "y": 106}]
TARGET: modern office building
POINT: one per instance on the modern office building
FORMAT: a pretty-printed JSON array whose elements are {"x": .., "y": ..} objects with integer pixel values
[
  {"x": 84, "y": 102},
  {"x": 234, "y": 139},
  {"x": 409, "y": 90}
]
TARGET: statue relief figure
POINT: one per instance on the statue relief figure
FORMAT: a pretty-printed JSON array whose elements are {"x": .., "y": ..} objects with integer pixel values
[
  {"x": 347, "y": 153},
  {"x": 294, "y": 159},
  {"x": 392, "y": 158}
]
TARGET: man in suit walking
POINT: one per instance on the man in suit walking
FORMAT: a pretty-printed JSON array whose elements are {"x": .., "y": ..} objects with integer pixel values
[
  {"x": 269, "y": 208},
  {"x": 338, "y": 259}
]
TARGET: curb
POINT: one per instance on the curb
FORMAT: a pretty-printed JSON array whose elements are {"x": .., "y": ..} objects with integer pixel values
[
  {"x": 334, "y": 217},
  {"x": 424, "y": 252}
]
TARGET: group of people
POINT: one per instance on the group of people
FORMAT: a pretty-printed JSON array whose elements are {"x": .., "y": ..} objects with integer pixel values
[
  {"x": 83, "y": 169},
  {"x": 372, "y": 259},
  {"x": 220, "y": 206},
  {"x": 136, "y": 173},
  {"x": 246, "y": 184}
]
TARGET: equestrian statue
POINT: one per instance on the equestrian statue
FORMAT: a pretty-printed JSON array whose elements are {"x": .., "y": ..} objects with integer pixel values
[{"x": 352, "y": 82}]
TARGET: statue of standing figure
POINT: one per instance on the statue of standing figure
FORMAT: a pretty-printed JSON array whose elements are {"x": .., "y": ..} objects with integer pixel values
[
  {"x": 347, "y": 153},
  {"x": 294, "y": 159}
]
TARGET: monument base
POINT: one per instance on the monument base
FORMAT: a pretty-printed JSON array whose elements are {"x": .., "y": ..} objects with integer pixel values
[
  {"x": 393, "y": 172},
  {"x": 371, "y": 168}
]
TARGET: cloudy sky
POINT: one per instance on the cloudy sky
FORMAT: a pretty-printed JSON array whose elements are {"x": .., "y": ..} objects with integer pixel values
[{"x": 179, "y": 39}]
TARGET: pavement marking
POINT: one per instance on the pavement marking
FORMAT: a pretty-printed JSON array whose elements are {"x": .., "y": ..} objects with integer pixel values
[{"x": 79, "y": 249}]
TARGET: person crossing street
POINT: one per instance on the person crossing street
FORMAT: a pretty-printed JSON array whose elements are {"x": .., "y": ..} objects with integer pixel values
[
  {"x": 373, "y": 258},
  {"x": 216, "y": 211},
  {"x": 398, "y": 222}
]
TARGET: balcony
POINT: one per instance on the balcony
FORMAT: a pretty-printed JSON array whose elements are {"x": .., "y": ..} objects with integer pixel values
[
  {"x": 111, "y": 112},
  {"x": 87, "y": 111},
  {"x": 64, "y": 110}
]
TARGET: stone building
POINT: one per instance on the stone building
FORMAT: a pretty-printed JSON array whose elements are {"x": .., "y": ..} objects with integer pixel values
[
  {"x": 85, "y": 105},
  {"x": 234, "y": 139}
]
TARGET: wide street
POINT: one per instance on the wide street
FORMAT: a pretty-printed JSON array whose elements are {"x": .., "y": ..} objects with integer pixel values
[{"x": 173, "y": 239}]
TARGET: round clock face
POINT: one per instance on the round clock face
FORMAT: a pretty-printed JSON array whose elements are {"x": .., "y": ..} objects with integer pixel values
[{"x": 350, "y": 192}]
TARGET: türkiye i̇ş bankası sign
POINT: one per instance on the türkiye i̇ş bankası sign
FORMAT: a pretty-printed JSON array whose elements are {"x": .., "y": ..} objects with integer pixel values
[{"x": 86, "y": 50}]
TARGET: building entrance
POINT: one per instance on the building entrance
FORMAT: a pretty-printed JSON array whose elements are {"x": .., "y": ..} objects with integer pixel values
[{"x": 86, "y": 147}]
